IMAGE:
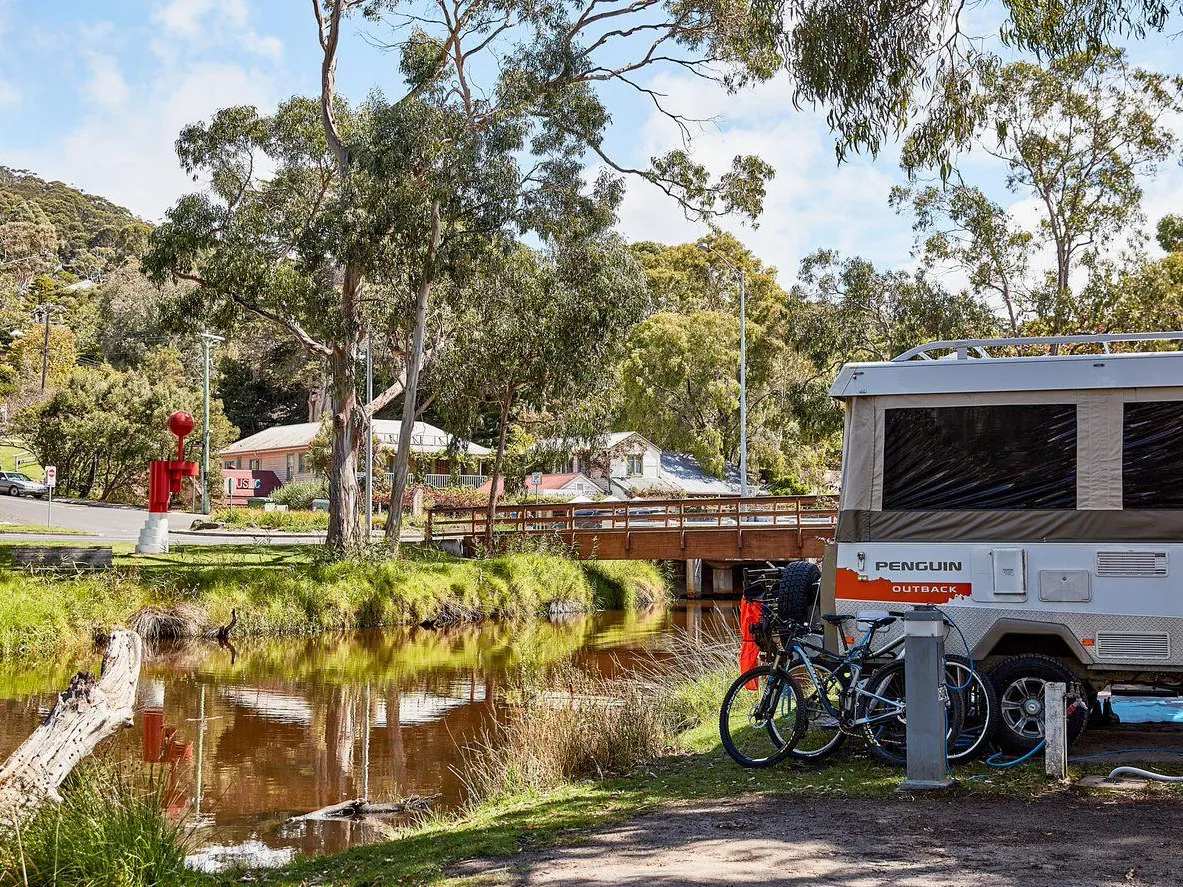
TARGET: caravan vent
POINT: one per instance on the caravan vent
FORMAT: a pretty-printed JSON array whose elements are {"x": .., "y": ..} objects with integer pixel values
[
  {"x": 1132, "y": 563},
  {"x": 1133, "y": 645}
]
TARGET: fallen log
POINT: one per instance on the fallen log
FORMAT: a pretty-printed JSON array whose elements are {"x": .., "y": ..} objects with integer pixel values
[
  {"x": 360, "y": 807},
  {"x": 89, "y": 711}
]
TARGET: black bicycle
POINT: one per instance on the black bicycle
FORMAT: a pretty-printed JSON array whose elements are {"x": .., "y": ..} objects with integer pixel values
[{"x": 835, "y": 694}]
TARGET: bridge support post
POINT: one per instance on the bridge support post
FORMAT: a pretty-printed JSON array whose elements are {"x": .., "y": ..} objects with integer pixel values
[
  {"x": 721, "y": 581},
  {"x": 693, "y": 578}
]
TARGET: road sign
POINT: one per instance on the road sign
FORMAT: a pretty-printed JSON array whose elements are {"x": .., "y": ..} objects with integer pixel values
[
  {"x": 536, "y": 479},
  {"x": 51, "y": 475}
]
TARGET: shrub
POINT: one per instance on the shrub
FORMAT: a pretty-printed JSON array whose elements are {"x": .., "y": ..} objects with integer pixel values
[
  {"x": 299, "y": 495},
  {"x": 287, "y": 521}
]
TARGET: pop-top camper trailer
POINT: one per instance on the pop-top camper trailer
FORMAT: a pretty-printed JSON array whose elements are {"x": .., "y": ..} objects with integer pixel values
[{"x": 1036, "y": 497}]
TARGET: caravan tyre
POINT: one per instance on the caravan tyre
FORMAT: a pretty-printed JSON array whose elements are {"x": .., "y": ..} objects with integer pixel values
[
  {"x": 1020, "y": 681},
  {"x": 799, "y": 584}
]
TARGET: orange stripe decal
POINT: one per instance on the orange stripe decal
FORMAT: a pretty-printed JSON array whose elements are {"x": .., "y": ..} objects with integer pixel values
[{"x": 849, "y": 587}]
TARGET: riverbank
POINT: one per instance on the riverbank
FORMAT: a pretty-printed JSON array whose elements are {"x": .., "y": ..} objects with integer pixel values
[{"x": 288, "y": 590}]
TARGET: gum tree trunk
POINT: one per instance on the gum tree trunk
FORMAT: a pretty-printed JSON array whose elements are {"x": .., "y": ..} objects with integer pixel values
[
  {"x": 402, "y": 459},
  {"x": 347, "y": 423}
]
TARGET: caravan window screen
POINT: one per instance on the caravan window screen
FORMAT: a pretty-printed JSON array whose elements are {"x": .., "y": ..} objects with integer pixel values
[
  {"x": 980, "y": 457},
  {"x": 1152, "y": 455}
]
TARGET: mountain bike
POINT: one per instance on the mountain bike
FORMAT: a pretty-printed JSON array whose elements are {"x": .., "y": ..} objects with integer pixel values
[{"x": 841, "y": 693}]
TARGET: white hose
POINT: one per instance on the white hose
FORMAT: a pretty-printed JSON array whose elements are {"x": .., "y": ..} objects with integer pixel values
[{"x": 1145, "y": 774}]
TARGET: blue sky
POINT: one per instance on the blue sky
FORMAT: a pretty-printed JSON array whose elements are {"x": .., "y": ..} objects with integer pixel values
[{"x": 94, "y": 94}]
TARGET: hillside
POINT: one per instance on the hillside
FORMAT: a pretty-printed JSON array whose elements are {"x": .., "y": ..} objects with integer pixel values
[{"x": 92, "y": 234}]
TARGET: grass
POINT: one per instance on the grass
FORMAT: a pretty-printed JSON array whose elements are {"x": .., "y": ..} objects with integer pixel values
[
  {"x": 285, "y": 590},
  {"x": 39, "y": 530},
  {"x": 9, "y": 455},
  {"x": 283, "y": 521},
  {"x": 107, "y": 831}
]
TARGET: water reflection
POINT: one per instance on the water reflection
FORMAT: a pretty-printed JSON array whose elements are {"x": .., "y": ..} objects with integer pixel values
[{"x": 244, "y": 739}]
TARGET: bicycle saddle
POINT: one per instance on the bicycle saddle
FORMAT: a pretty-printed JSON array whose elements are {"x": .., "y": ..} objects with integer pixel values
[
  {"x": 836, "y": 619},
  {"x": 879, "y": 621}
]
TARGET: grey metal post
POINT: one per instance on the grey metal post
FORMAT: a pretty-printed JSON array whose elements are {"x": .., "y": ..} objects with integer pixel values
[
  {"x": 207, "y": 342},
  {"x": 369, "y": 436},
  {"x": 1055, "y": 730},
  {"x": 925, "y": 695},
  {"x": 743, "y": 386}
]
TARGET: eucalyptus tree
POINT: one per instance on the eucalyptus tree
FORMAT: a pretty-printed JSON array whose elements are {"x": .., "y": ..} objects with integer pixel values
[
  {"x": 499, "y": 105},
  {"x": 544, "y": 337},
  {"x": 1077, "y": 137}
]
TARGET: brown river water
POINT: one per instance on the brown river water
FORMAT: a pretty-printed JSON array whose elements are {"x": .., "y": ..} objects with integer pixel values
[{"x": 295, "y": 724}]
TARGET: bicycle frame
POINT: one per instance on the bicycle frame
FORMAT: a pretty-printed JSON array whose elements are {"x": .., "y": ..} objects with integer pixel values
[{"x": 854, "y": 658}]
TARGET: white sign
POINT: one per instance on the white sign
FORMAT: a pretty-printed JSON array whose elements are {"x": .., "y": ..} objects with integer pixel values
[
  {"x": 536, "y": 479},
  {"x": 51, "y": 475}
]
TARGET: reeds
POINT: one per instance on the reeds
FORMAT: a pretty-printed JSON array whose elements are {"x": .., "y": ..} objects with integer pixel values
[
  {"x": 569, "y": 725},
  {"x": 106, "y": 832}
]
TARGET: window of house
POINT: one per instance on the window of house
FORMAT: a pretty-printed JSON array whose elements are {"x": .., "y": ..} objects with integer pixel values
[
  {"x": 255, "y": 464},
  {"x": 635, "y": 465},
  {"x": 302, "y": 463},
  {"x": 238, "y": 462},
  {"x": 1151, "y": 455},
  {"x": 230, "y": 463},
  {"x": 980, "y": 457},
  {"x": 290, "y": 466}
]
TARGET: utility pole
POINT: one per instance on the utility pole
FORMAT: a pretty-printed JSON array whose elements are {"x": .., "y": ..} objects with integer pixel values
[
  {"x": 369, "y": 436},
  {"x": 42, "y": 313},
  {"x": 743, "y": 369},
  {"x": 208, "y": 340}
]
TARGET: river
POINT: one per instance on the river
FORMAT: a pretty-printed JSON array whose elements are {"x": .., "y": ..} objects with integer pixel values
[{"x": 295, "y": 724}]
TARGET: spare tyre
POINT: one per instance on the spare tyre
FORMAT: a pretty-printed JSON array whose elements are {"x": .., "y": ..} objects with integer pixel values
[{"x": 800, "y": 582}]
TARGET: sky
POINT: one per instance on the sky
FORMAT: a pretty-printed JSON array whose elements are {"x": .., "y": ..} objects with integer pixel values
[{"x": 94, "y": 94}]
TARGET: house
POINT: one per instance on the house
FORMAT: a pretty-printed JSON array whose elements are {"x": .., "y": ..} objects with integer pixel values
[
  {"x": 628, "y": 465},
  {"x": 284, "y": 449},
  {"x": 576, "y": 485}
]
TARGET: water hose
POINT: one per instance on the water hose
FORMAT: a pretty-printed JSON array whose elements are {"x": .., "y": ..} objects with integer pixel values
[
  {"x": 996, "y": 760},
  {"x": 1144, "y": 774}
]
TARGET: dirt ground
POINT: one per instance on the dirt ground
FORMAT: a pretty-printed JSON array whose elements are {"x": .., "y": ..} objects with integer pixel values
[{"x": 1074, "y": 840}]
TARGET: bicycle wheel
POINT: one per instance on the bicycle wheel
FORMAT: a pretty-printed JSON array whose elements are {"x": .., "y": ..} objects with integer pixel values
[
  {"x": 760, "y": 725},
  {"x": 822, "y": 735},
  {"x": 979, "y": 703},
  {"x": 884, "y": 708}
]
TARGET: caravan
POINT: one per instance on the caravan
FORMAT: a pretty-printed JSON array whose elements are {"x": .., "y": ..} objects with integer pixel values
[{"x": 1031, "y": 488}]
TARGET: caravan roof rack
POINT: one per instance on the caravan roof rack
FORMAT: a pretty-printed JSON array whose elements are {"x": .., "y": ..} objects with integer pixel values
[{"x": 965, "y": 349}]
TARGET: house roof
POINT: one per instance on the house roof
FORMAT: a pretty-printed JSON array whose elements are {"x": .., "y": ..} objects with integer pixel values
[
  {"x": 609, "y": 440},
  {"x": 425, "y": 439},
  {"x": 550, "y": 483},
  {"x": 684, "y": 471}
]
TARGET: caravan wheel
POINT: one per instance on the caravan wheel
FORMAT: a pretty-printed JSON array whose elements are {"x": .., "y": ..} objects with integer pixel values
[{"x": 1020, "y": 681}]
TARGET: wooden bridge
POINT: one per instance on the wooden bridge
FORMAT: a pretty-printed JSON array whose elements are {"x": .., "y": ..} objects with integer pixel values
[{"x": 715, "y": 530}]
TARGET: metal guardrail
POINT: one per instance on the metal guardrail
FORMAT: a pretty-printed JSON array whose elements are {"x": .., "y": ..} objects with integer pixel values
[{"x": 792, "y": 513}]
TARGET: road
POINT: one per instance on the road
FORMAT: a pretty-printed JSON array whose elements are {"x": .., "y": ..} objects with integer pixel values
[{"x": 114, "y": 523}]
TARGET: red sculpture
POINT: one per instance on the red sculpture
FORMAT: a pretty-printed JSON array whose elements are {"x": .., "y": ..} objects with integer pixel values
[{"x": 164, "y": 478}]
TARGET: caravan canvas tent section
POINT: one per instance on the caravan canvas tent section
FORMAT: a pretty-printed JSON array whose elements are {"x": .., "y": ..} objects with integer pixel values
[{"x": 972, "y": 447}]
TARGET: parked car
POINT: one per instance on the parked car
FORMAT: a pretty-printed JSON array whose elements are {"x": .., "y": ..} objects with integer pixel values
[{"x": 16, "y": 484}]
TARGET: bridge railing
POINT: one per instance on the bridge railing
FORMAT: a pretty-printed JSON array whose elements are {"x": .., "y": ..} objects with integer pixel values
[{"x": 802, "y": 514}]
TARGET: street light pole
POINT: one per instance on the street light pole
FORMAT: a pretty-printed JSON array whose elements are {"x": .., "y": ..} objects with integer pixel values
[
  {"x": 369, "y": 435},
  {"x": 743, "y": 369},
  {"x": 207, "y": 342},
  {"x": 45, "y": 310}
]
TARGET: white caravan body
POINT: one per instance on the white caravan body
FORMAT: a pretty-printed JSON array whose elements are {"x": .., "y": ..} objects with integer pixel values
[{"x": 1037, "y": 499}]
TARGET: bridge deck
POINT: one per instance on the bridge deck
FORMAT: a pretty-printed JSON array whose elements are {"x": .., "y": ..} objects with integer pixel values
[{"x": 715, "y": 529}]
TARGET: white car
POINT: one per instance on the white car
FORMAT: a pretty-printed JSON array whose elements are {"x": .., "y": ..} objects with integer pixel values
[{"x": 16, "y": 484}]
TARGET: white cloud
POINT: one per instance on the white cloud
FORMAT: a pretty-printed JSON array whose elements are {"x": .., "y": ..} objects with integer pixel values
[
  {"x": 811, "y": 202},
  {"x": 127, "y": 153},
  {"x": 209, "y": 22},
  {"x": 106, "y": 84},
  {"x": 10, "y": 96}
]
